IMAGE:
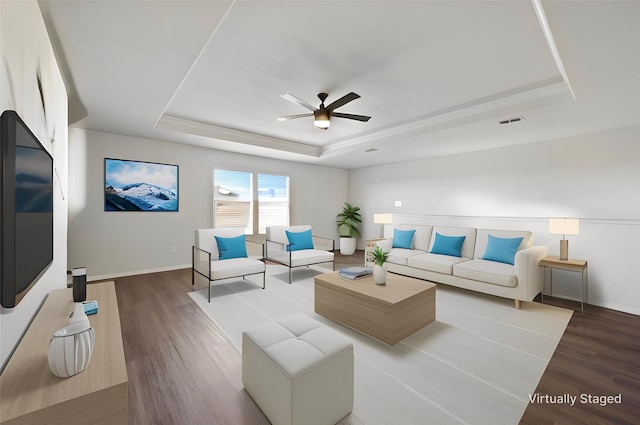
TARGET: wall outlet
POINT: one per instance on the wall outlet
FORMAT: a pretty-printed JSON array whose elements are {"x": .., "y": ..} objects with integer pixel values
[
  {"x": 172, "y": 249},
  {"x": 398, "y": 203}
]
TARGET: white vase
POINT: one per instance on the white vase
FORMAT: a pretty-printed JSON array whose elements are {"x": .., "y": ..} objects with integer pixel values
[
  {"x": 379, "y": 275},
  {"x": 347, "y": 246},
  {"x": 70, "y": 350},
  {"x": 71, "y": 347}
]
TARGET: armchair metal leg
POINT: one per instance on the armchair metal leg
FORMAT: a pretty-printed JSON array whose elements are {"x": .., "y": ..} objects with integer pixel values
[
  {"x": 264, "y": 279},
  {"x": 289, "y": 275},
  {"x": 209, "y": 291}
]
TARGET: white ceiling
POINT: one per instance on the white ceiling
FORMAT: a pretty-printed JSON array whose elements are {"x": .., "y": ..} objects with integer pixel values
[{"x": 435, "y": 76}]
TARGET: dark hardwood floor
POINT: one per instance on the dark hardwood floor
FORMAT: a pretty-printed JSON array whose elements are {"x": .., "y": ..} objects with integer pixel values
[
  {"x": 181, "y": 371},
  {"x": 598, "y": 355}
]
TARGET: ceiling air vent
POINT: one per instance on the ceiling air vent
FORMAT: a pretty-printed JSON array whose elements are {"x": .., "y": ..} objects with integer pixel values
[
  {"x": 371, "y": 150},
  {"x": 511, "y": 120}
]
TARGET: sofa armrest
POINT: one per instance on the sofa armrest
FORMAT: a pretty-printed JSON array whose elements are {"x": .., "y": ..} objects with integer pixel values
[
  {"x": 278, "y": 252},
  {"x": 201, "y": 261},
  {"x": 529, "y": 274},
  {"x": 385, "y": 244},
  {"x": 322, "y": 243},
  {"x": 255, "y": 249}
]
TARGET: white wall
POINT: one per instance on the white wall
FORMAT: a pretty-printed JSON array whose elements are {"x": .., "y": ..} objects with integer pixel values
[
  {"x": 25, "y": 49},
  {"x": 594, "y": 177},
  {"x": 113, "y": 244}
]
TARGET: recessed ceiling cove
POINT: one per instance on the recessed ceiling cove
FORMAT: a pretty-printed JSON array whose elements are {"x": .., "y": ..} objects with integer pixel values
[{"x": 419, "y": 66}]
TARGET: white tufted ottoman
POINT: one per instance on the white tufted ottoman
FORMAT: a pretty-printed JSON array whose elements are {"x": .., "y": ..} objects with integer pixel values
[{"x": 298, "y": 371}]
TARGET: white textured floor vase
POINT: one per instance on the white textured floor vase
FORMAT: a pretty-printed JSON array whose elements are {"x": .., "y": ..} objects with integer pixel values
[
  {"x": 298, "y": 371},
  {"x": 476, "y": 364}
]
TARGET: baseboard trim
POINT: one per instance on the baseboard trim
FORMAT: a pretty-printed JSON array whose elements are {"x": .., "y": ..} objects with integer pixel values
[
  {"x": 615, "y": 306},
  {"x": 137, "y": 272}
]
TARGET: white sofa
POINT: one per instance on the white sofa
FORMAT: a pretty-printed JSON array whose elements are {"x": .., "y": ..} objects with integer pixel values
[{"x": 521, "y": 281}]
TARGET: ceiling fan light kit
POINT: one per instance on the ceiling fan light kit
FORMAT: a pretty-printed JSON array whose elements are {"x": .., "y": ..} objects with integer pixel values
[
  {"x": 321, "y": 119},
  {"x": 322, "y": 115}
]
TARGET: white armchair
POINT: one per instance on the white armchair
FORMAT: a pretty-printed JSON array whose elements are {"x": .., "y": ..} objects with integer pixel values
[
  {"x": 223, "y": 253},
  {"x": 296, "y": 246}
]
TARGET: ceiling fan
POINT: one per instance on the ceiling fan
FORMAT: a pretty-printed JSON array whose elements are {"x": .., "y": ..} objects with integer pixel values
[{"x": 323, "y": 114}]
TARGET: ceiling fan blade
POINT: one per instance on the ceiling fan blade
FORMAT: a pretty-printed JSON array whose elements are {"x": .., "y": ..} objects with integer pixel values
[
  {"x": 343, "y": 101},
  {"x": 291, "y": 117},
  {"x": 291, "y": 98},
  {"x": 363, "y": 118}
]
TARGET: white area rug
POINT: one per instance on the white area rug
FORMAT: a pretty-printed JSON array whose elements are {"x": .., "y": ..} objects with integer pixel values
[{"x": 476, "y": 364}]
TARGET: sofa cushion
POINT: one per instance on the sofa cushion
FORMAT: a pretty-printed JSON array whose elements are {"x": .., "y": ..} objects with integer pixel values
[
  {"x": 299, "y": 240},
  {"x": 434, "y": 262},
  {"x": 447, "y": 245},
  {"x": 235, "y": 267},
  {"x": 483, "y": 238},
  {"x": 235, "y": 247},
  {"x": 403, "y": 238},
  {"x": 400, "y": 255},
  {"x": 502, "y": 250},
  {"x": 487, "y": 271},
  {"x": 297, "y": 344},
  {"x": 310, "y": 256},
  {"x": 278, "y": 233},
  {"x": 206, "y": 238},
  {"x": 468, "y": 244},
  {"x": 421, "y": 239}
]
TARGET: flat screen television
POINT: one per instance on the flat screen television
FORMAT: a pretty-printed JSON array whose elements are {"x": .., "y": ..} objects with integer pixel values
[{"x": 26, "y": 220}]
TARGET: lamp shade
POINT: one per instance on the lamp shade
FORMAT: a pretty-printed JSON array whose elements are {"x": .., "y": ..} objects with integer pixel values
[
  {"x": 564, "y": 226},
  {"x": 383, "y": 218}
]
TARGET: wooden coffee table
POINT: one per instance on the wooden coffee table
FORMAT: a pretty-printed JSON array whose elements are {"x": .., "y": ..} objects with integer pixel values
[{"x": 388, "y": 313}]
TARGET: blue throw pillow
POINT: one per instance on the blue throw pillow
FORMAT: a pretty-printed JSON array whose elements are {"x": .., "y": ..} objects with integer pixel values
[
  {"x": 448, "y": 245},
  {"x": 402, "y": 238},
  {"x": 299, "y": 240},
  {"x": 502, "y": 250},
  {"x": 235, "y": 247}
]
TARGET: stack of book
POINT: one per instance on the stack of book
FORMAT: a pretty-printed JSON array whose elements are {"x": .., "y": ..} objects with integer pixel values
[{"x": 353, "y": 273}]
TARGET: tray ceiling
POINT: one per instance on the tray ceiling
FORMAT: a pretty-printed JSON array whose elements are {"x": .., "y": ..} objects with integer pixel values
[{"x": 430, "y": 73}]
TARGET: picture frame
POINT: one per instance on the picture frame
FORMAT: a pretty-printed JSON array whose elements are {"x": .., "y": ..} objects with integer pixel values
[{"x": 131, "y": 185}]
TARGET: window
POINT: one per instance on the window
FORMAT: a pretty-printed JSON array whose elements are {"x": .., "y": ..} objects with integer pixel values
[
  {"x": 273, "y": 201},
  {"x": 237, "y": 194},
  {"x": 232, "y": 199}
]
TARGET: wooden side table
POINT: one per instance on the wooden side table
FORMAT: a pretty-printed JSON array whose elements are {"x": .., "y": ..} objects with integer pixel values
[
  {"x": 553, "y": 262},
  {"x": 370, "y": 246}
]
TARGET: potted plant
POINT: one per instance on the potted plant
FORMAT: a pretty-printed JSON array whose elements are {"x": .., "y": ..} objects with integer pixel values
[
  {"x": 348, "y": 228},
  {"x": 379, "y": 256}
]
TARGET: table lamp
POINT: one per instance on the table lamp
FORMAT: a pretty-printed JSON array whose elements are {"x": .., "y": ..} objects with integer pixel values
[
  {"x": 564, "y": 226},
  {"x": 382, "y": 219}
]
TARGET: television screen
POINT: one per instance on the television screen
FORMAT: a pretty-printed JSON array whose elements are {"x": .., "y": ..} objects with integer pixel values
[{"x": 26, "y": 222}]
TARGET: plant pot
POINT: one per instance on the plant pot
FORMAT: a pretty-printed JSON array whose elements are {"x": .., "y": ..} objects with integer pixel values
[
  {"x": 379, "y": 274},
  {"x": 347, "y": 246}
]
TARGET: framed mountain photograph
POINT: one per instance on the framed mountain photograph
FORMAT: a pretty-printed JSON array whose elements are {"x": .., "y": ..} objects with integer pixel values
[{"x": 140, "y": 186}]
